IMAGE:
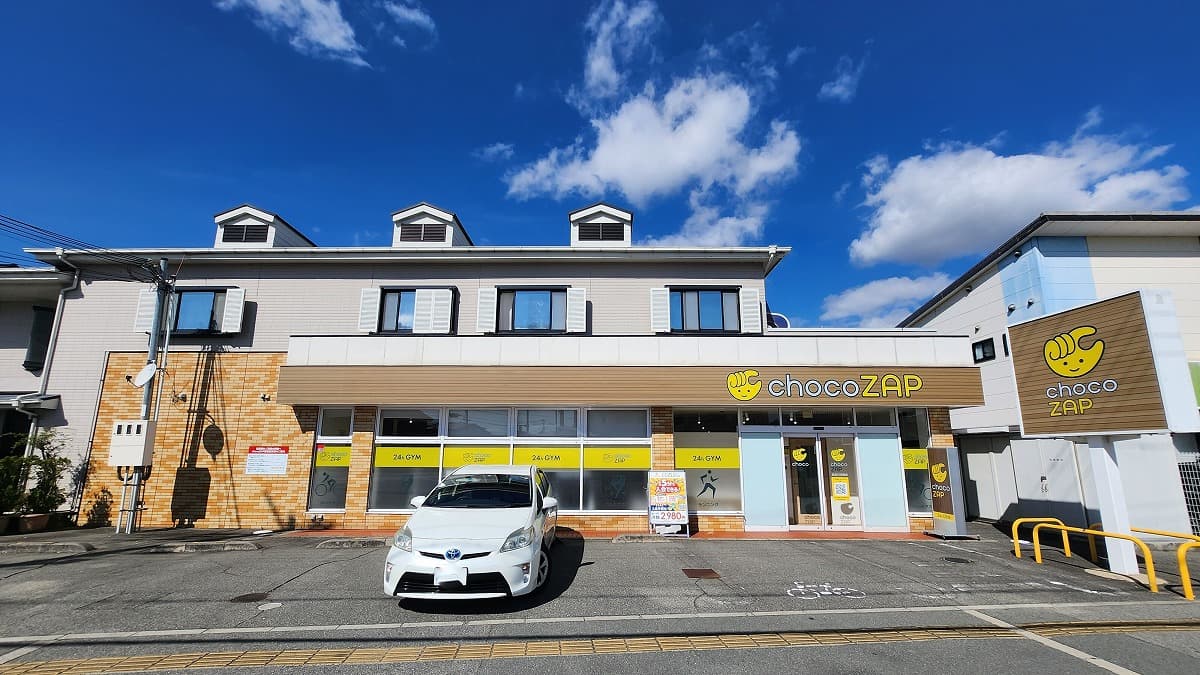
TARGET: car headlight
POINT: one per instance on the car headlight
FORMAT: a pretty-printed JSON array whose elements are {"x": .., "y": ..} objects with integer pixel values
[
  {"x": 519, "y": 539},
  {"x": 403, "y": 539}
]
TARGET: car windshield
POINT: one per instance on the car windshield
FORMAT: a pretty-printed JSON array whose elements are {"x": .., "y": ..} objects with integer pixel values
[{"x": 482, "y": 491}]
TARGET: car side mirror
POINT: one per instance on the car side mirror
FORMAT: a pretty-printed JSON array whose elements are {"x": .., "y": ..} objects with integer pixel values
[
  {"x": 549, "y": 503},
  {"x": 417, "y": 502}
]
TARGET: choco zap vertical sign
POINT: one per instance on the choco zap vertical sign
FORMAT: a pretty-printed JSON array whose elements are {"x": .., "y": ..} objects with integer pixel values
[
  {"x": 945, "y": 482},
  {"x": 1088, "y": 370}
]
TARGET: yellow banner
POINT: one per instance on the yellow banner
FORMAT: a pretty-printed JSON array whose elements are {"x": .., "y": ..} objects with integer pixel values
[
  {"x": 333, "y": 455},
  {"x": 840, "y": 488},
  {"x": 462, "y": 455},
  {"x": 406, "y": 456},
  {"x": 916, "y": 458},
  {"x": 548, "y": 457},
  {"x": 616, "y": 457},
  {"x": 707, "y": 458}
]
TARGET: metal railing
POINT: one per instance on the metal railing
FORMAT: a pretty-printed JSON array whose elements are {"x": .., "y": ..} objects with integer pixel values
[
  {"x": 1037, "y": 549},
  {"x": 1019, "y": 521},
  {"x": 1185, "y": 577}
]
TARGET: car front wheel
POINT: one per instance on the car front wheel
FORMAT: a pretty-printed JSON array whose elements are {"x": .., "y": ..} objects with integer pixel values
[{"x": 543, "y": 569}]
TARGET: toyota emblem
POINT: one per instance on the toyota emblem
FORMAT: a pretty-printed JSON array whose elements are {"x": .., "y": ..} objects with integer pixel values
[{"x": 453, "y": 554}]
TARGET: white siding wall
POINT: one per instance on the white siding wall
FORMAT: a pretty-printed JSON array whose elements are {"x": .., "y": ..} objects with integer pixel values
[
  {"x": 1123, "y": 264},
  {"x": 979, "y": 315},
  {"x": 15, "y": 321}
]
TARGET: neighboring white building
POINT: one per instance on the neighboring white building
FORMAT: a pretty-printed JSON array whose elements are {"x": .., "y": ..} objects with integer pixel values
[{"x": 1060, "y": 261}]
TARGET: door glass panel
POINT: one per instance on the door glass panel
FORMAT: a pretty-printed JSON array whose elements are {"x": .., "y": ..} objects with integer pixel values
[
  {"x": 804, "y": 482},
  {"x": 844, "y": 505}
]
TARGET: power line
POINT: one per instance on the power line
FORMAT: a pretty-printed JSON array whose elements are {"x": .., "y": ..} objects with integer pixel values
[{"x": 136, "y": 268}]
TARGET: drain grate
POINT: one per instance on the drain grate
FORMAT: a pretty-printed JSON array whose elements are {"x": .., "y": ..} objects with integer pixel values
[
  {"x": 250, "y": 597},
  {"x": 700, "y": 573},
  {"x": 961, "y": 561}
]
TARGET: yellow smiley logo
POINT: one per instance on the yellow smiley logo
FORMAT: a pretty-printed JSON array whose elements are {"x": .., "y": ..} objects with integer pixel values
[
  {"x": 1066, "y": 355},
  {"x": 743, "y": 384},
  {"x": 799, "y": 454},
  {"x": 837, "y": 454},
  {"x": 939, "y": 472}
]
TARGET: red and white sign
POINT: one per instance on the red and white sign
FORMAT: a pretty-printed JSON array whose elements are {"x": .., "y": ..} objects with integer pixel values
[{"x": 267, "y": 460}]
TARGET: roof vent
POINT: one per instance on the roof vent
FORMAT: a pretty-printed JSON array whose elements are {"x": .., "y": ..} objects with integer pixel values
[
  {"x": 248, "y": 226},
  {"x": 601, "y": 225},
  {"x": 424, "y": 225}
]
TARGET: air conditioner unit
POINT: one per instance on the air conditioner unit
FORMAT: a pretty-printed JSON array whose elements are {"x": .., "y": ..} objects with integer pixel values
[{"x": 132, "y": 443}]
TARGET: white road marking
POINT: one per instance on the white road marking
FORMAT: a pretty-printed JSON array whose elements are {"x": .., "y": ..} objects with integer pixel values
[
  {"x": 1085, "y": 590},
  {"x": 18, "y": 653},
  {"x": 1057, "y": 646},
  {"x": 28, "y": 640},
  {"x": 269, "y": 605}
]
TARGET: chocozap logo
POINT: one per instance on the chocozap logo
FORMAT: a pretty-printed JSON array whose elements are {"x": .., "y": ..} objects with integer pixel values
[
  {"x": 745, "y": 385},
  {"x": 1066, "y": 356}
]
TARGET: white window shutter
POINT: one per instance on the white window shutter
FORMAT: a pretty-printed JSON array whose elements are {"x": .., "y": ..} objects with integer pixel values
[
  {"x": 576, "y": 310},
  {"x": 231, "y": 318},
  {"x": 485, "y": 317},
  {"x": 660, "y": 310},
  {"x": 368, "y": 310},
  {"x": 750, "y": 310},
  {"x": 443, "y": 307},
  {"x": 423, "y": 311},
  {"x": 143, "y": 321}
]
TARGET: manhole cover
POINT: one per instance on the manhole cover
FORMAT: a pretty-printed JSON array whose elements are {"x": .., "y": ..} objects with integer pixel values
[
  {"x": 961, "y": 561},
  {"x": 700, "y": 573},
  {"x": 250, "y": 597}
]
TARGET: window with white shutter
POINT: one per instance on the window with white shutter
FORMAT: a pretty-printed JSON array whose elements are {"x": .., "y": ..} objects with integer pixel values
[
  {"x": 368, "y": 310},
  {"x": 204, "y": 311},
  {"x": 442, "y": 322},
  {"x": 143, "y": 320},
  {"x": 751, "y": 311},
  {"x": 660, "y": 310},
  {"x": 231, "y": 316},
  {"x": 485, "y": 310},
  {"x": 576, "y": 310}
]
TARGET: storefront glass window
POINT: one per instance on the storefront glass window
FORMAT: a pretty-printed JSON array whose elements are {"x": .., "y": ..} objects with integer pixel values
[
  {"x": 770, "y": 416},
  {"x": 614, "y": 478},
  {"x": 409, "y": 422},
  {"x": 707, "y": 450},
  {"x": 618, "y": 423},
  {"x": 477, "y": 422},
  {"x": 875, "y": 417},
  {"x": 707, "y": 421},
  {"x": 561, "y": 466},
  {"x": 331, "y": 460},
  {"x": 914, "y": 439},
  {"x": 818, "y": 417},
  {"x": 399, "y": 473},
  {"x": 548, "y": 423}
]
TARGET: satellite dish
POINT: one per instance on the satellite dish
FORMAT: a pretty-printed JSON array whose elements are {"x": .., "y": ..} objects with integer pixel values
[
  {"x": 780, "y": 320},
  {"x": 144, "y": 375}
]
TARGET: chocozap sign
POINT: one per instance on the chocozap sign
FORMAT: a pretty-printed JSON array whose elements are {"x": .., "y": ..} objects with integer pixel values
[
  {"x": 1087, "y": 370},
  {"x": 746, "y": 385}
]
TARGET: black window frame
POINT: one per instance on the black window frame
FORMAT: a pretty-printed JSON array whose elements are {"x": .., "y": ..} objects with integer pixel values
[
  {"x": 680, "y": 291},
  {"x": 510, "y": 330},
  {"x": 385, "y": 290},
  {"x": 215, "y": 313},
  {"x": 383, "y": 294},
  {"x": 983, "y": 350}
]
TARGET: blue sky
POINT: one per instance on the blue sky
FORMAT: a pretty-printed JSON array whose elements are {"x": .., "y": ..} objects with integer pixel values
[{"x": 890, "y": 144}]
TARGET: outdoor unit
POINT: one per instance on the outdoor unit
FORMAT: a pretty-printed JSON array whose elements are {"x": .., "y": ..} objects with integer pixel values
[{"x": 132, "y": 443}]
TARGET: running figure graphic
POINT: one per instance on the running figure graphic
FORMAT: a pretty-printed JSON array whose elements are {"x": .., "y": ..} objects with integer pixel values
[{"x": 709, "y": 481}]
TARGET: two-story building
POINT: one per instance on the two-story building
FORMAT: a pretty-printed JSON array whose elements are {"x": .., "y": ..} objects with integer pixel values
[
  {"x": 311, "y": 385},
  {"x": 1058, "y": 262}
]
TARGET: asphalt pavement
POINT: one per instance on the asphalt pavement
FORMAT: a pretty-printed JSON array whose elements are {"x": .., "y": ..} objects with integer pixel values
[{"x": 277, "y": 601}]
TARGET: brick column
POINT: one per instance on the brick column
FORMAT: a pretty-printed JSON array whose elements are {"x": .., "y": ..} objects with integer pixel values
[
  {"x": 662, "y": 439},
  {"x": 362, "y": 453},
  {"x": 940, "y": 433}
]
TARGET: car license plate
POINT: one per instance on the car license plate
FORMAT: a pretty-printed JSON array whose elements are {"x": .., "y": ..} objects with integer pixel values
[{"x": 446, "y": 575}]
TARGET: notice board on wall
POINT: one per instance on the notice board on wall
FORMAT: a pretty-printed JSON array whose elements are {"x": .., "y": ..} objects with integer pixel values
[{"x": 267, "y": 460}]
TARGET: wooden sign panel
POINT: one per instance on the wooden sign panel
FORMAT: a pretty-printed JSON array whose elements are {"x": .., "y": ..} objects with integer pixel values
[{"x": 1087, "y": 370}]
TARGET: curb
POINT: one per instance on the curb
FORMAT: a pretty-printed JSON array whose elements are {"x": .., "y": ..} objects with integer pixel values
[
  {"x": 639, "y": 539},
  {"x": 45, "y": 547},
  {"x": 205, "y": 547},
  {"x": 354, "y": 542}
]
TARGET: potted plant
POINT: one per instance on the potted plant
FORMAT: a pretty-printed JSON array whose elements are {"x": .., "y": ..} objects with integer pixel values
[
  {"x": 46, "y": 469},
  {"x": 14, "y": 472}
]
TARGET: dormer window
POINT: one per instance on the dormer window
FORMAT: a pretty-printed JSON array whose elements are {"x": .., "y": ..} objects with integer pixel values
[
  {"x": 428, "y": 232},
  {"x": 425, "y": 225},
  {"x": 248, "y": 226},
  {"x": 601, "y": 225},
  {"x": 242, "y": 233}
]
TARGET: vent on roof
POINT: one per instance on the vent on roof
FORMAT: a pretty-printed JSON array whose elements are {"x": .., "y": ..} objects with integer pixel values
[
  {"x": 601, "y": 232},
  {"x": 244, "y": 233},
  {"x": 428, "y": 232}
]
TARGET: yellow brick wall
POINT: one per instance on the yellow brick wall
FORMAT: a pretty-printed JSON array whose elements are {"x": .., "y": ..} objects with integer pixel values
[{"x": 662, "y": 439}]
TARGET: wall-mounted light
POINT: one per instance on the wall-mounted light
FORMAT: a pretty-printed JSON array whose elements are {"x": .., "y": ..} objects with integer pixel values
[
  {"x": 1017, "y": 253},
  {"x": 968, "y": 288},
  {"x": 1029, "y": 302},
  {"x": 179, "y": 398},
  {"x": 1012, "y": 308},
  {"x": 264, "y": 397}
]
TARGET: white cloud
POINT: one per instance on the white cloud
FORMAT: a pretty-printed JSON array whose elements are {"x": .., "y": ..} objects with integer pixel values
[
  {"x": 616, "y": 32},
  {"x": 707, "y": 227},
  {"x": 844, "y": 85},
  {"x": 796, "y": 52},
  {"x": 963, "y": 199},
  {"x": 840, "y": 194},
  {"x": 411, "y": 14},
  {"x": 652, "y": 146},
  {"x": 496, "y": 152},
  {"x": 312, "y": 27},
  {"x": 883, "y": 302}
]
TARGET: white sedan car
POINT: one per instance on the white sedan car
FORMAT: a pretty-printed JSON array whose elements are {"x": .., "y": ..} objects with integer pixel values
[{"x": 483, "y": 532}]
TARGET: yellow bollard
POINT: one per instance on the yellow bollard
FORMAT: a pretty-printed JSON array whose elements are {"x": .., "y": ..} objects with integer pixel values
[
  {"x": 1185, "y": 577},
  {"x": 1019, "y": 521}
]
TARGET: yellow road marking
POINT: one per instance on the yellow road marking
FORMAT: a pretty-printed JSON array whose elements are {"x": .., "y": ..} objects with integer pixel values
[{"x": 576, "y": 647}]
